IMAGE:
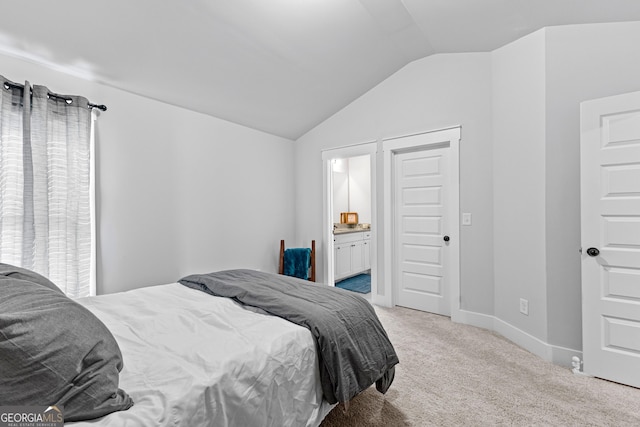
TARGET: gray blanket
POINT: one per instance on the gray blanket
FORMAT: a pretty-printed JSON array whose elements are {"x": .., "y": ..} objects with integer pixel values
[{"x": 353, "y": 348}]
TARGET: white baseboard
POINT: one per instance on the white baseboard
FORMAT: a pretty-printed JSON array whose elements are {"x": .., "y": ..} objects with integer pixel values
[
  {"x": 562, "y": 356},
  {"x": 381, "y": 300},
  {"x": 552, "y": 353},
  {"x": 474, "y": 319}
]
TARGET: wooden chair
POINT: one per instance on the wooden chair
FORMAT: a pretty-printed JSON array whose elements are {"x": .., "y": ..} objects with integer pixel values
[{"x": 312, "y": 275}]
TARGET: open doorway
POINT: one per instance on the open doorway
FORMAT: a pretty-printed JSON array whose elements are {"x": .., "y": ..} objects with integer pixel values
[
  {"x": 352, "y": 223},
  {"x": 349, "y": 219}
]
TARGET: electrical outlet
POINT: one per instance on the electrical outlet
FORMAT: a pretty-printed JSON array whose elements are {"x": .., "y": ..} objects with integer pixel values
[
  {"x": 466, "y": 219},
  {"x": 524, "y": 306}
]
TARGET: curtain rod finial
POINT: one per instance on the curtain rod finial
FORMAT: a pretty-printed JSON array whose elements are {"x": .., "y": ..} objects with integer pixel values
[{"x": 99, "y": 107}]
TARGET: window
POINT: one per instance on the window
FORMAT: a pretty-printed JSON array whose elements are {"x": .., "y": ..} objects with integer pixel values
[{"x": 46, "y": 185}]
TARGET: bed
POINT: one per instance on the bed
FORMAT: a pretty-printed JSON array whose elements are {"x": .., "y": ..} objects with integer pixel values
[{"x": 190, "y": 358}]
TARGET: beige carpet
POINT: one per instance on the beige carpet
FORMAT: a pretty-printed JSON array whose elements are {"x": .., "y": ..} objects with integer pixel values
[{"x": 457, "y": 375}]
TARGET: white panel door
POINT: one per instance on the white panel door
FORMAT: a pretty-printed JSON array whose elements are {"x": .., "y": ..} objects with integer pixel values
[
  {"x": 420, "y": 207},
  {"x": 610, "y": 192}
]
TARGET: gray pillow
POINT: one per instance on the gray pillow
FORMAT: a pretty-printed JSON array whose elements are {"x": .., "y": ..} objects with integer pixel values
[
  {"x": 53, "y": 351},
  {"x": 28, "y": 275}
]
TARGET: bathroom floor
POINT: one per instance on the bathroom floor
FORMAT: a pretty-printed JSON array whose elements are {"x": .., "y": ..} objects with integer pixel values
[{"x": 360, "y": 284}]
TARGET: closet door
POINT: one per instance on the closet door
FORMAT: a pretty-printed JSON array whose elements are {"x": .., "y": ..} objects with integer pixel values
[
  {"x": 421, "y": 220},
  {"x": 610, "y": 233},
  {"x": 421, "y": 224}
]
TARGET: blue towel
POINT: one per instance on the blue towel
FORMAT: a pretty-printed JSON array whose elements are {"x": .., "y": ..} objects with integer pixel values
[{"x": 297, "y": 262}]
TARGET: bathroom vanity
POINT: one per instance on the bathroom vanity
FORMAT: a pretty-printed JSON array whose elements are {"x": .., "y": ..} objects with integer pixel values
[{"x": 351, "y": 252}]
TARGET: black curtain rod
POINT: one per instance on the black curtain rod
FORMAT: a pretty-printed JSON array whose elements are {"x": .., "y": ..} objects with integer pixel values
[{"x": 102, "y": 107}]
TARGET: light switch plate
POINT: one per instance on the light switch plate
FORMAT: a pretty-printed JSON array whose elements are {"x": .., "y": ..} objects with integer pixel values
[{"x": 466, "y": 219}]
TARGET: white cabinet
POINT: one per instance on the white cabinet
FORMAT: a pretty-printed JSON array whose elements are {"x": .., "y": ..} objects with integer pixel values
[
  {"x": 342, "y": 260},
  {"x": 366, "y": 236},
  {"x": 351, "y": 254},
  {"x": 357, "y": 256},
  {"x": 367, "y": 254}
]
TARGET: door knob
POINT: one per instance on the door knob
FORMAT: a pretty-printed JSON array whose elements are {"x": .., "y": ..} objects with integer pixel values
[
  {"x": 446, "y": 238},
  {"x": 593, "y": 252}
]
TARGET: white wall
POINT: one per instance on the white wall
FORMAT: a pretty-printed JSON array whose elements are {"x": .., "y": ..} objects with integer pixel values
[
  {"x": 432, "y": 93},
  {"x": 352, "y": 187},
  {"x": 360, "y": 187},
  {"x": 519, "y": 183},
  {"x": 583, "y": 62},
  {"x": 178, "y": 192},
  {"x": 340, "y": 172}
]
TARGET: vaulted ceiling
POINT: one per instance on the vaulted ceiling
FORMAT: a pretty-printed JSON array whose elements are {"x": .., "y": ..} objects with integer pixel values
[{"x": 280, "y": 66}]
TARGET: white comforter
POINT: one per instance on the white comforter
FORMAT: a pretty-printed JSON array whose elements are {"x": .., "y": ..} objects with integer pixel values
[{"x": 191, "y": 359}]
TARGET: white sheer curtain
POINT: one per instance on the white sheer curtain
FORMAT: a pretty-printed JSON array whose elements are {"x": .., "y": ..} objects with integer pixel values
[{"x": 46, "y": 187}]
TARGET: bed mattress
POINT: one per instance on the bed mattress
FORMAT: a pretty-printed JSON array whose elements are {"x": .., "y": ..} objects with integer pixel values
[{"x": 193, "y": 361}]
